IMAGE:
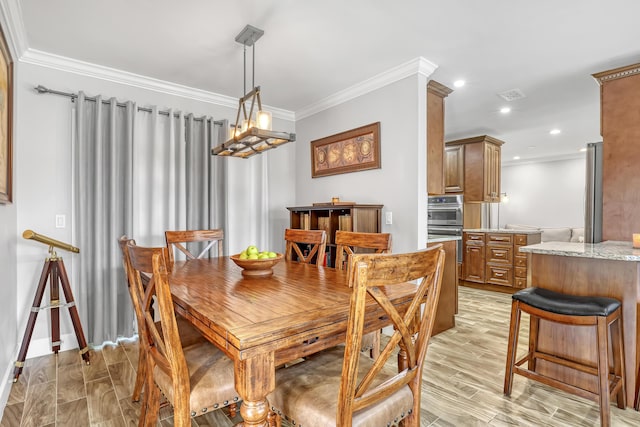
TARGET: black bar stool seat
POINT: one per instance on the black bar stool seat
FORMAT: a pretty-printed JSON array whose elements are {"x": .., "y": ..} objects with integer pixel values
[
  {"x": 602, "y": 313},
  {"x": 569, "y": 305}
]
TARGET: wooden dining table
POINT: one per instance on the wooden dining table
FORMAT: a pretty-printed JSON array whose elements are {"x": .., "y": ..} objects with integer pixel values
[{"x": 262, "y": 323}]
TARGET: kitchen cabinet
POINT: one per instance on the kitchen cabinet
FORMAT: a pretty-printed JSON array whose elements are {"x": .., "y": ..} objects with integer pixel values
[
  {"x": 480, "y": 177},
  {"x": 436, "y": 93},
  {"x": 473, "y": 263},
  {"x": 331, "y": 217},
  {"x": 454, "y": 169},
  {"x": 492, "y": 259}
]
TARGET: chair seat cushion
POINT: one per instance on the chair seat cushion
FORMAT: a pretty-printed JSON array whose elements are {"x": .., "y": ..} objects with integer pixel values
[
  {"x": 307, "y": 393},
  {"x": 209, "y": 391},
  {"x": 570, "y": 305}
]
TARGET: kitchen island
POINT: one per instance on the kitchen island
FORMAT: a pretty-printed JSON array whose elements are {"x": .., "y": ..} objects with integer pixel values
[
  {"x": 609, "y": 269},
  {"x": 448, "y": 302}
]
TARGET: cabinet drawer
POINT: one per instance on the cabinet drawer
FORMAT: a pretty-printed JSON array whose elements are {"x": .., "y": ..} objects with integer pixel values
[
  {"x": 521, "y": 239},
  {"x": 499, "y": 275},
  {"x": 520, "y": 261},
  {"x": 506, "y": 239},
  {"x": 500, "y": 254},
  {"x": 521, "y": 272},
  {"x": 520, "y": 282},
  {"x": 474, "y": 238}
]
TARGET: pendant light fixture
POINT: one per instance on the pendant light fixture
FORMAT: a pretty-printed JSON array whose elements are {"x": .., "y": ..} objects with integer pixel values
[{"x": 252, "y": 133}]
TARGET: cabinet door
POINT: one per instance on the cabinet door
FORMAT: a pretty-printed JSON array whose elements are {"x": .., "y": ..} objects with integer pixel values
[
  {"x": 491, "y": 172},
  {"x": 454, "y": 169},
  {"x": 474, "y": 263}
]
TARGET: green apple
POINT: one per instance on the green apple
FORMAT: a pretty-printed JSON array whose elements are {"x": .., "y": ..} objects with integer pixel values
[
  {"x": 252, "y": 249},
  {"x": 272, "y": 255},
  {"x": 243, "y": 255},
  {"x": 263, "y": 256},
  {"x": 252, "y": 256}
]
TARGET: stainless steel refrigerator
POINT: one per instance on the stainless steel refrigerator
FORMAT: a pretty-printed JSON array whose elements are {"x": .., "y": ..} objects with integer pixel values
[{"x": 593, "y": 196}]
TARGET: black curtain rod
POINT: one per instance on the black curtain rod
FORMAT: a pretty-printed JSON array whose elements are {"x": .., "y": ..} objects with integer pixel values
[{"x": 41, "y": 89}]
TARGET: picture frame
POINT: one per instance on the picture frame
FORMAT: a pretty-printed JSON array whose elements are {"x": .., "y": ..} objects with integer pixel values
[
  {"x": 6, "y": 121},
  {"x": 350, "y": 151}
]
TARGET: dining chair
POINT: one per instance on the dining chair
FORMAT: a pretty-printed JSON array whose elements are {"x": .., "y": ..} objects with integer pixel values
[
  {"x": 314, "y": 242},
  {"x": 350, "y": 242},
  {"x": 342, "y": 386},
  {"x": 188, "y": 334},
  {"x": 175, "y": 240},
  {"x": 194, "y": 379}
]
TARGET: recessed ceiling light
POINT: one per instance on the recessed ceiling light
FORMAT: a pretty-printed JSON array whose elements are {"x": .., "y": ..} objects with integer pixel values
[
  {"x": 531, "y": 147},
  {"x": 459, "y": 83},
  {"x": 582, "y": 150},
  {"x": 505, "y": 110},
  {"x": 555, "y": 131},
  {"x": 516, "y": 157}
]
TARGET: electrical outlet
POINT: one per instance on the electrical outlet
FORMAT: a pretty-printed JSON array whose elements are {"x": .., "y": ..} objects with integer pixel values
[
  {"x": 61, "y": 221},
  {"x": 389, "y": 218}
]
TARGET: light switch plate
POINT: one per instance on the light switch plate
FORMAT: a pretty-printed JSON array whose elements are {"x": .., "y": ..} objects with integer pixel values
[
  {"x": 61, "y": 221},
  {"x": 389, "y": 218}
]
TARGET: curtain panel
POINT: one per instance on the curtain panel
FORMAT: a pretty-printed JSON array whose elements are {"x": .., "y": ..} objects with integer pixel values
[{"x": 137, "y": 174}]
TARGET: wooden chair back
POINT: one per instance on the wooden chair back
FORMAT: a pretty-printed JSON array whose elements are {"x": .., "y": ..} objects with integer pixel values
[
  {"x": 161, "y": 340},
  {"x": 348, "y": 242},
  {"x": 315, "y": 239},
  {"x": 412, "y": 328},
  {"x": 194, "y": 239}
]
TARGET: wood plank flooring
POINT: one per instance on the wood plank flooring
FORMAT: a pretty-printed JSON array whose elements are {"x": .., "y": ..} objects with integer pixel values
[{"x": 462, "y": 386}]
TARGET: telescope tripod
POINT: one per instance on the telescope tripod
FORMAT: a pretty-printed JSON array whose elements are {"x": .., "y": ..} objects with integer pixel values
[{"x": 56, "y": 273}]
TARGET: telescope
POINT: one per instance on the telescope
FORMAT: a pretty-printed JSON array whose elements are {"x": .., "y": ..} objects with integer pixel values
[{"x": 32, "y": 235}]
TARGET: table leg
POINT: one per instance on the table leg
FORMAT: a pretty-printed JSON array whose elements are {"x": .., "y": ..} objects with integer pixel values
[{"x": 254, "y": 379}]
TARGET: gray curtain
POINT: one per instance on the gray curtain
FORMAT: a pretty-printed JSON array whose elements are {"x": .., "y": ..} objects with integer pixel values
[
  {"x": 103, "y": 161},
  {"x": 136, "y": 173}
]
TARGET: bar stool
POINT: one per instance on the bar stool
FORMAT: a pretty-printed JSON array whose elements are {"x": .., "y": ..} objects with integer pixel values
[{"x": 599, "y": 312}]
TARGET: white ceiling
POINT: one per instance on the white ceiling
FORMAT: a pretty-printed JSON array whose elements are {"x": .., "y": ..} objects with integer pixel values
[{"x": 313, "y": 49}]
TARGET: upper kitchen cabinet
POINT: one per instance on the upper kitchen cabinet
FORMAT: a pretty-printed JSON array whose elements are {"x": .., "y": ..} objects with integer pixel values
[
  {"x": 436, "y": 93},
  {"x": 479, "y": 176}
]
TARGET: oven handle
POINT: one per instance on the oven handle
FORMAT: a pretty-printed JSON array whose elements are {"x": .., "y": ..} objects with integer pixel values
[
  {"x": 457, "y": 230},
  {"x": 445, "y": 208}
]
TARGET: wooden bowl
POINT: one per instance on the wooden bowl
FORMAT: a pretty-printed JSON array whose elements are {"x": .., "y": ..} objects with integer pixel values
[{"x": 256, "y": 267}]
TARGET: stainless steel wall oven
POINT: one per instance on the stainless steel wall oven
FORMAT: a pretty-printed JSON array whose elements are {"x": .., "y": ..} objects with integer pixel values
[{"x": 444, "y": 217}]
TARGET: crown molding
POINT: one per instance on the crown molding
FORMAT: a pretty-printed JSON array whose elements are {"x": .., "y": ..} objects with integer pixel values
[
  {"x": 14, "y": 26},
  {"x": 617, "y": 73},
  {"x": 418, "y": 65},
  {"x": 62, "y": 63}
]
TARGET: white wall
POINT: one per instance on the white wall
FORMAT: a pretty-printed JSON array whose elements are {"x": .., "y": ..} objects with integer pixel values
[
  {"x": 43, "y": 182},
  {"x": 400, "y": 185},
  {"x": 545, "y": 194}
]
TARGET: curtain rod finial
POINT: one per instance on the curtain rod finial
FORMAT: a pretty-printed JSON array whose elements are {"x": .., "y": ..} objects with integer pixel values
[{"x": 41, "y": 89}]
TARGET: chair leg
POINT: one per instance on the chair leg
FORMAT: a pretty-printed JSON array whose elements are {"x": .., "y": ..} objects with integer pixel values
[
  {"x": 617, "y": 346},
  {"x": 512, "y": 347},
  {"x": 534, "y": 328},
  {"x": 140, "y": 375},
  {"x": 603, "y": 371},
  {"x": 375, "y": 349}
]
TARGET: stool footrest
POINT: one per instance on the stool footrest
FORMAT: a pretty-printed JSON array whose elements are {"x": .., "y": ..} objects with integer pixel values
[
  {"x": 614, "y": 386},
  {"x": 560, "y": 361}
]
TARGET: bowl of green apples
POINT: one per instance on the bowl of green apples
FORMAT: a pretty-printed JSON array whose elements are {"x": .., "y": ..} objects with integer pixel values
[{"x": 256, "y": 263}]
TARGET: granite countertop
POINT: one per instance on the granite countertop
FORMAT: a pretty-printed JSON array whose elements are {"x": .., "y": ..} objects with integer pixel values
[
  {"x": 436, "y": 238},
  {"x": 620, "y": 251},
  {"x": 501, "y": 230}
]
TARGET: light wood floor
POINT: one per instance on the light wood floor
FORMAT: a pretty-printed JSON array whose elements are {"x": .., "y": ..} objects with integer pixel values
[{"x": 463, "y": 380}]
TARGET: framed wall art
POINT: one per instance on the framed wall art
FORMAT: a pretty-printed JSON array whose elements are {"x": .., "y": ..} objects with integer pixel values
[
  {"x": 354, "y": 150},
  {"x": 6, "y": 120}
]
